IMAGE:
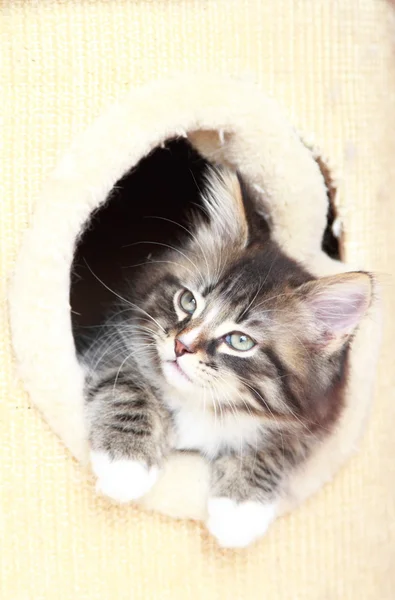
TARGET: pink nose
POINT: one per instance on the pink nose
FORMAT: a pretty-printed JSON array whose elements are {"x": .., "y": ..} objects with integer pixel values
[{"x": 180, "y": 348}]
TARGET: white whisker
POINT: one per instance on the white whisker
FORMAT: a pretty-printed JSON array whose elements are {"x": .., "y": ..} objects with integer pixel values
[
  {"x": 154, "y": 262},
  {"x": 193, "y": 236},
  {"x": 121, "y": 366},
  {"x": 124, "y": 299},
  {"x": 173, "y": 248}
]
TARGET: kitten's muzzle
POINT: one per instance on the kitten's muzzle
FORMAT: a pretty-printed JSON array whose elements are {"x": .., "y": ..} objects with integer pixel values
[{"x": 180, "y": 348}]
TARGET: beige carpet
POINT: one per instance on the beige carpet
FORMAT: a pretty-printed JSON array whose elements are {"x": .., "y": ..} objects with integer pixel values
[{"x": 331, "y": 63}]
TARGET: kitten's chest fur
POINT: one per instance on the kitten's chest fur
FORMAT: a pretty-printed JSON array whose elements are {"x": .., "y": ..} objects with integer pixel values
[{"x": 197, "y": 427}]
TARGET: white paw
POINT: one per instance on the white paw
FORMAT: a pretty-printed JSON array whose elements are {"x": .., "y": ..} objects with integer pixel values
[
  {"x": 236, "y": 525},
  {"x": 122, "y": 480}
]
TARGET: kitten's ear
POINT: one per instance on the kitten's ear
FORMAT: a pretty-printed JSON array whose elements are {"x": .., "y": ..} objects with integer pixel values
[
  {"x": 334, "y": 307},
  {"x": 223, "y": 201}
]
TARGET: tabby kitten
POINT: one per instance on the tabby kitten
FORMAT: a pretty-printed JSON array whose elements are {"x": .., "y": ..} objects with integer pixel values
[{"x": 226, "y": 347}]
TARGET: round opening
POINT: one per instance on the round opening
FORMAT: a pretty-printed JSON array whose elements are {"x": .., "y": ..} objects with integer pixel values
[{"x": 107, "y": 210}]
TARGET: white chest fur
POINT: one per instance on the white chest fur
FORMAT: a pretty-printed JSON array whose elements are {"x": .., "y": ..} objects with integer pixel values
[{"x": 210, "y": 432}]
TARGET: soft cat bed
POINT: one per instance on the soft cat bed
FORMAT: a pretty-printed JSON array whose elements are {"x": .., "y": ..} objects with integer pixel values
[{"x": 227, "y": 122}]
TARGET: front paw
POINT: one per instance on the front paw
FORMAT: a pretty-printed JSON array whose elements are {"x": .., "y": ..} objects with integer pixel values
[
  {"x": 236, "y": 525},
  {"x": 122, "y": 480}
]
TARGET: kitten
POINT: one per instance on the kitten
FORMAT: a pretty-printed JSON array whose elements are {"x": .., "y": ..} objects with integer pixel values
[{"x": 226, "y": 347}]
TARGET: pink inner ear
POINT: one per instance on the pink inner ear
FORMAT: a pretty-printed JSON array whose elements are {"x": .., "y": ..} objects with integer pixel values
[{"x": 339, "y": 307}]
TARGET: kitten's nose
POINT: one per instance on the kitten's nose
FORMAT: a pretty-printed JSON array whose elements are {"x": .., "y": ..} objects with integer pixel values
[{"x": 180, "y": 348}]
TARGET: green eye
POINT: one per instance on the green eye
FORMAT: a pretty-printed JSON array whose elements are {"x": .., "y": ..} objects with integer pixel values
[
  {"x": 239, "y": 341},
  {"x": 187, "y": 302}
]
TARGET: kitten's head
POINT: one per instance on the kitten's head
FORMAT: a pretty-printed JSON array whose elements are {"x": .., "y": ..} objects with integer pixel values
[{"x": 238, "y": 325}]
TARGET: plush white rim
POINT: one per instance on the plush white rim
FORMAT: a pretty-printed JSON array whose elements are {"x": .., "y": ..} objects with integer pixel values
[{"x": 229, "y": 121}]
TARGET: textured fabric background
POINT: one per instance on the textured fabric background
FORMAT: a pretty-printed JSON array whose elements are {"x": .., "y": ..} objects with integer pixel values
[{"x": 332, "y": 66}]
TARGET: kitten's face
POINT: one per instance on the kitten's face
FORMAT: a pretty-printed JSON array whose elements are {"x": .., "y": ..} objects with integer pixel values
[
  {"x": 254, "y": 344},
  {"x": 237, "y": 325},
  {"x": 209, "y": 345}
]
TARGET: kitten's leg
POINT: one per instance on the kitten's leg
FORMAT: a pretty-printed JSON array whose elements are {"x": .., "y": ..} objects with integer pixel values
[
  {"x": 129, "y": 436},
  {"x": 245, "y": 491}
]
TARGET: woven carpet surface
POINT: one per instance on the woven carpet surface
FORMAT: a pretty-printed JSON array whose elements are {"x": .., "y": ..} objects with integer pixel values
[{"x": 331, "y": 64}]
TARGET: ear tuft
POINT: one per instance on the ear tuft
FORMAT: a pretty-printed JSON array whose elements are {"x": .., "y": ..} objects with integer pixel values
[{"x": 223, "y": 201}]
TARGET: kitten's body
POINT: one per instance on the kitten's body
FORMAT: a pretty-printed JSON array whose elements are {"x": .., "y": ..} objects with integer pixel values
[{"x": 178, "y": 371}]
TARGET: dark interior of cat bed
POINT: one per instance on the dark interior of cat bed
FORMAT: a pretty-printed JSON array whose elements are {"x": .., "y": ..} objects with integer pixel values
[{"x": 146, "y": 211}]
